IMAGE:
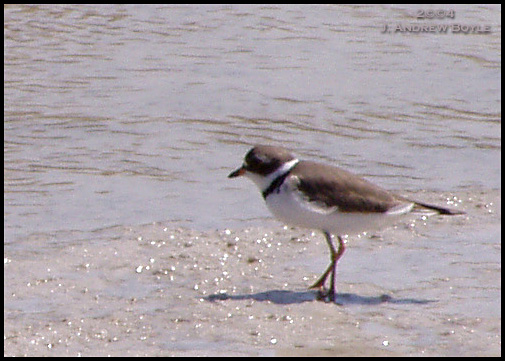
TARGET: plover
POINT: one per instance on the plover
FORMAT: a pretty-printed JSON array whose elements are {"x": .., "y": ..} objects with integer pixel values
[{"x": 326, "y": 198}]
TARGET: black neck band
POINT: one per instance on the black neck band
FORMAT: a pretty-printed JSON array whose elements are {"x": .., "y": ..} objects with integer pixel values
[{"x": 275, "y": 185}]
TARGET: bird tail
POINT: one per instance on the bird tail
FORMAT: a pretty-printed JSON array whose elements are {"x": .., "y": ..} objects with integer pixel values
[{"x": 439, "y": 210}]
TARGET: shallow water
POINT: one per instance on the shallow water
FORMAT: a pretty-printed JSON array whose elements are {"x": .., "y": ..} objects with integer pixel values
[
  {"x": 123, "y": 122},
  {"x": 429, "y": 288}
]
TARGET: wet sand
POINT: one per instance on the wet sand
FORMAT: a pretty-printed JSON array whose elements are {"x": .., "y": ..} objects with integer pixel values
[{"x": 428, "y": 289}]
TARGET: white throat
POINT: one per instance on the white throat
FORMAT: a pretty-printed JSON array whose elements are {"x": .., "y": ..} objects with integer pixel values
[{"x": 263, "y": 182}]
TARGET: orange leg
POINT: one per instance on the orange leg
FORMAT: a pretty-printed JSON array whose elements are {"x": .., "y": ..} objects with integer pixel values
[{"x": 332, "y": 268}]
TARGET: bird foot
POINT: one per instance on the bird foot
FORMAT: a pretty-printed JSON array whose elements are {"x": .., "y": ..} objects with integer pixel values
[{"x": 326, "y": 295}]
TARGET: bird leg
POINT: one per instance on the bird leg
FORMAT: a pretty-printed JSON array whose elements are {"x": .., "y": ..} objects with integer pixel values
[{"x": 335, "y": 256}]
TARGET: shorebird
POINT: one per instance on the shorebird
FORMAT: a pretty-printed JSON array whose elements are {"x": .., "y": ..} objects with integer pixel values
[{"x": 323, "y": 197}]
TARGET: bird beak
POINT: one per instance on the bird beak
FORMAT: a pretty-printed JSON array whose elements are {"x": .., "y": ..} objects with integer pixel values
[{"x": 237, "y": 173}]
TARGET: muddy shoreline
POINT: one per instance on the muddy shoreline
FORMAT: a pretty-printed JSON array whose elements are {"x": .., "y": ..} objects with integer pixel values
[{"x": 432, "y": 289}]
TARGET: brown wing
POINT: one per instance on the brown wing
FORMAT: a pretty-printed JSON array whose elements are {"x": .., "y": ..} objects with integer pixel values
[{"x": 335, "y": 187}]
